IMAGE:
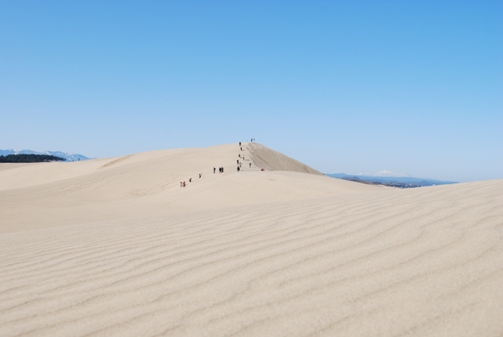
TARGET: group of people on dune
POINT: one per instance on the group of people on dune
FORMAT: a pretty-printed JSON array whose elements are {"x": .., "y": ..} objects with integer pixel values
[
  {"x": 183, "y": 184},
  {"x": 241, "y": 157},
  {"x": 221, "y": 169}
]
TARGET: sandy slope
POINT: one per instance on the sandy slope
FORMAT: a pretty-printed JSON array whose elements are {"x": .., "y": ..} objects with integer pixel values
[
  {"x": 120, "y": 249},
  {"x": 53, "y": 194}
]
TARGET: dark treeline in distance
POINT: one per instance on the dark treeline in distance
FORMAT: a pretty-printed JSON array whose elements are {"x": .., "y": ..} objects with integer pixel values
[{"x": 29, "y": 158}]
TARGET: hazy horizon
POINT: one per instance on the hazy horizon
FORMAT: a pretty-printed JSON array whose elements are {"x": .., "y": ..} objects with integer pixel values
[{"x": 413, "y": 88}]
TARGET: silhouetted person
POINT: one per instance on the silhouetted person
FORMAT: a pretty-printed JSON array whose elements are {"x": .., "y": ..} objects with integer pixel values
[
  {"x": 250, "y": 165},
  {"x": 190, "y": 180},
  {"x": 239, "y": 143},
  {"x": 237, "y": 161},
  {"x": 214, "y": 170},
  {"x": 238, "y": 168},
  {"x": 200, "y": 174}
]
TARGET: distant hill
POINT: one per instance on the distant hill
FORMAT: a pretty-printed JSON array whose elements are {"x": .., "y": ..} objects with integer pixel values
[
  {"x": 400, "y": 181},
  {"x": 66, "y": 156}
]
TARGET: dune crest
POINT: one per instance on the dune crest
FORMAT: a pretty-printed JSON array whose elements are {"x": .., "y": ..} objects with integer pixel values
[{"x": 58, "y": 194}]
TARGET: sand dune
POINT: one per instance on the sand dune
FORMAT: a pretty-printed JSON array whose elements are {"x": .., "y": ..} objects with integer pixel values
[
  {"x": 53, "y": 194},
  {"x": 114, "y": 247}
]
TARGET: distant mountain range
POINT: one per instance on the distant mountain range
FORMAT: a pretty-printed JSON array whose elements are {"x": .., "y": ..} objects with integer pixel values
[
  {"x": 390, "y": 179},
  {"x": 64, "y": 155}
]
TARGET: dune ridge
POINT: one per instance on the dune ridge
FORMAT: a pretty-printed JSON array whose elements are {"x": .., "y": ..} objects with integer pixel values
[
  {"x": 277, "y": 253},
  {"x": 115, "y": 188}
]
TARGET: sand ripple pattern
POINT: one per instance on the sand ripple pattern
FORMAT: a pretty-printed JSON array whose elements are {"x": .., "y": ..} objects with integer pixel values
[{"x": 424, "y": 262}]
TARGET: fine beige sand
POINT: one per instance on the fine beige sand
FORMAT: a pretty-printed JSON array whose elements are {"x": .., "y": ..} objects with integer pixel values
[{"x": 114, "y": 247}]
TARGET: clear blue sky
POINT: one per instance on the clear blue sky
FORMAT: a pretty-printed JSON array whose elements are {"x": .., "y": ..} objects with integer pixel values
[{"x": 413, "y": 87}]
